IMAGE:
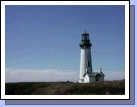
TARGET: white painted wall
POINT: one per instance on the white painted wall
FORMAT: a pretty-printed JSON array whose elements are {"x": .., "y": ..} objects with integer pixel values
[
  {"x": 85, "y": 57},
  {"x": 86, "y": 79}
]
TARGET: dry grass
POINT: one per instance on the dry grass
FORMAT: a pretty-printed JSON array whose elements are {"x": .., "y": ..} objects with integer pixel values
[{"x": 66, "y": 88}]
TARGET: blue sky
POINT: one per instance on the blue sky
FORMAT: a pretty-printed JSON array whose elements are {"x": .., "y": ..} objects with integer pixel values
[{"x": 39, "y": 38}]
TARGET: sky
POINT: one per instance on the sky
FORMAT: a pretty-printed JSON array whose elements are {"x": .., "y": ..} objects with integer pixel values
[{"x": 42, "y": 42}]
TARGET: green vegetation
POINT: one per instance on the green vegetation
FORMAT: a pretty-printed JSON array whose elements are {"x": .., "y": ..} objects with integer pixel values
[{"x": 66, "y": 88}]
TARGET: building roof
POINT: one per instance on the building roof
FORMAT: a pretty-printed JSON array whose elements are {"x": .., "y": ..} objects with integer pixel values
[{"x": 94, "y": 74}]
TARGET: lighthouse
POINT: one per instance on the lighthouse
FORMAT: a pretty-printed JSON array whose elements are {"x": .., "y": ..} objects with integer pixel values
[
  {"x": 85, "y": 59},
  {"x": 86, "y": 73}
]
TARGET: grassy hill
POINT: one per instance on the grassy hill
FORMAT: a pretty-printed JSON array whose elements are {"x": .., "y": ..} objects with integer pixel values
[{"x": 65, "y": 88}]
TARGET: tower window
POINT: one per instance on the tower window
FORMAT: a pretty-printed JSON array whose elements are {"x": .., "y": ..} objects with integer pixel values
[
  {"x": 85, "y": 38},
  {"x": 88, "y": 63}
]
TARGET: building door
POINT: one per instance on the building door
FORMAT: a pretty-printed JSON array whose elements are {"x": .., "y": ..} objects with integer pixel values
[{"x": 96, "y": 79}]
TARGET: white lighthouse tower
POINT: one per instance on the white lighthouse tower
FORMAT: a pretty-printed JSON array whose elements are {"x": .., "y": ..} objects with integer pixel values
[
  {"x": 86, "y": 73},
  {"x": 85, "y": 60}
]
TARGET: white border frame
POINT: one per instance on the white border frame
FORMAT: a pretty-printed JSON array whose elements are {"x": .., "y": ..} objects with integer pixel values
[{"x": 126, "y": 96}]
